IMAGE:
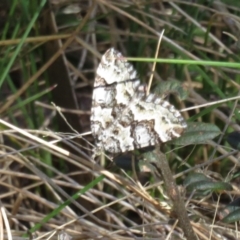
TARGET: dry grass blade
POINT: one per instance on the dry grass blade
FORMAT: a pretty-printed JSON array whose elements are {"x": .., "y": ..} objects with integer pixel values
[{"x": 50, "y": 187}]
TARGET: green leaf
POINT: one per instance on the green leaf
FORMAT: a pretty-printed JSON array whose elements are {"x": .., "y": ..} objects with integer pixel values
[
  {"x": 197, "y": 133},
  {"x": 209, "y": 185},
  {"x": 171, "y": 86},
  {"x": 232, "y": 217},
  {"x": 193, "y": 178},
  {"x": 230, "y": 208}
]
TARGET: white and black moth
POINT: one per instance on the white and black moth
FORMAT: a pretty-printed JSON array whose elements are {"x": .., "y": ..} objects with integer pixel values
[{"x": 123, "y": 116}]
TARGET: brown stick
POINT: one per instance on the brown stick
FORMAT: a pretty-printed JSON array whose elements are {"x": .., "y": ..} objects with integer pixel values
[{"x": 159, "y": 164}]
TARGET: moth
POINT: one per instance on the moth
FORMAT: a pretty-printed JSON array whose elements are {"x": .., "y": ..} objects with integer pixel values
[{"x": 123, "y": 116}]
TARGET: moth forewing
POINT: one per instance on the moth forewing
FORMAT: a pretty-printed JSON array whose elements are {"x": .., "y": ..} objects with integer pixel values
[{"x": 123, "y": 117}]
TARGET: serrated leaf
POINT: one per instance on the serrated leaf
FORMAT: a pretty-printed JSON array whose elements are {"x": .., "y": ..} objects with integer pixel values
[
  {"x": 197, "y": 133},
  {"x": 171, "y": 86}
]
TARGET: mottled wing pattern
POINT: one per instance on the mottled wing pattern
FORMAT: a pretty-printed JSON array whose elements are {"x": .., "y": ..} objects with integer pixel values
[{"x": 123, "y": 117}]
